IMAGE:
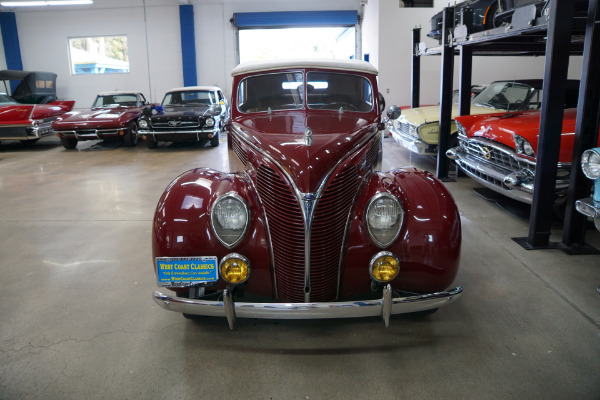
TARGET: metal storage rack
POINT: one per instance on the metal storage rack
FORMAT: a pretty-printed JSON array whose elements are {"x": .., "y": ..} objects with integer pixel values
[{"x": 557, "y": 35}]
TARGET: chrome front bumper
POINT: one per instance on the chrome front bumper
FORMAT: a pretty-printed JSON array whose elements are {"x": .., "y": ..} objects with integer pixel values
[
  {"x": 178, "y": 135},
  {"x": 93, "y": 134},
  {"x": 383, "y": 307},
  {"x": 412, "y": 143},
  {"x": 490, "y": 177},
  {"x": 25, "y": 132},
  {"x": 588, "y": 207}
]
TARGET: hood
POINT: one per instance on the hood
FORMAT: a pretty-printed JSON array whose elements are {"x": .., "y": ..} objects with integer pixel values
[
  {"x": 182, "y": 112},
  {"x": 503, "y": 127},
  {"x": 282, "y": 137},
  {"x": 26, "y": 113},
  {"x": 421, "y": 115},
  {"x": 99, "y": 114}
]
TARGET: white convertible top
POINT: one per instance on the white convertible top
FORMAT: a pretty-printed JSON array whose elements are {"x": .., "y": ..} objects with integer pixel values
[
  {"x": 192, "y": 88},
  {"x": 346, "y": 65}
]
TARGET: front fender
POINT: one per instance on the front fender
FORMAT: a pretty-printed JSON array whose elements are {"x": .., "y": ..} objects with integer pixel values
[
  {"x": 428, "y": 246},
  {"x": 182, "y": 223}
]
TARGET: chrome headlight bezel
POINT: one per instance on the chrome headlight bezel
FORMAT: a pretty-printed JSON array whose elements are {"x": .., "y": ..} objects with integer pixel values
[
  {"x": 209, "y": 122},
  {"x": 142, "y": 123},
  {"x": 216, "y": 220},
  {"x": 523, "y": 147},
  {"x": 380, "y": 238},
  {"x": 590, "y": 163}
]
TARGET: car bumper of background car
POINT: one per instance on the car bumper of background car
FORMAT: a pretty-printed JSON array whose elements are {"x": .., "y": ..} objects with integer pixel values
[
  {"x": 413, "y": 144},
  {"x": 384, "y": 307},
  {"x": 178, "y": 136},
  {"x": 25, "y": 132},
  {"x": 588, "y": 207},
  {"x": 515, "y": 184},
  {"x": 93, "y": 134}
]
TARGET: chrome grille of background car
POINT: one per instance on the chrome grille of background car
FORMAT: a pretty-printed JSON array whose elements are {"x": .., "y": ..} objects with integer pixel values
[
  {"x": 286, "y": 229},
  {"x": 184, "y": 125},
  {"x": 500, "y": 157},
  {"x": 405, "y": 128}
]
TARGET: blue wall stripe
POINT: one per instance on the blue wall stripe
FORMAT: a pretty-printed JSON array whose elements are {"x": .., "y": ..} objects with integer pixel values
[
  {"x": 295, "y": 18},
  {"x": 10, "y": 39},
  {"x": 188, "y": 45}
]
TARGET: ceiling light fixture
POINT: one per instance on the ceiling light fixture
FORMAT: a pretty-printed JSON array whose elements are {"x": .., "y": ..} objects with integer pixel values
[{"x": 45, "y": 3}]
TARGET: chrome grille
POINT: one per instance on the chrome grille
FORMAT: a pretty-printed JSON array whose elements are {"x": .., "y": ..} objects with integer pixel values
[
  {"x": 181, "y": 125},
  {"x": 327, "y": 233},
  {"x": 405, "y": 128},
  {"x": 499, "y": 156},
  {"x": 286, "y": 227},
  {"x": 237, "y": 149}
]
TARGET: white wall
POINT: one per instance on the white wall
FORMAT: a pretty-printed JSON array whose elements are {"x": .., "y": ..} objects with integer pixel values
[{"x": 395, "y": 49}]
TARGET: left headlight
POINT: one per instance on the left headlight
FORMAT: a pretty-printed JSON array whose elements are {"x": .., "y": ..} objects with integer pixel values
[
  {"x": 383, "y": 218},
  {"x": 230, "y": 216},
  {"x": 143, "y": 123},
  {"x": 210, "y": 122},
  {"x": 590, "y": 163}
]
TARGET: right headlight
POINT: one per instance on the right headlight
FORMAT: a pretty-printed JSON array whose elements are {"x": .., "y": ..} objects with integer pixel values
[
  {"x": 590, "y": 163},
  {"x": 383, "y": 218},
  {"x": 143, "y": 124},
  {"x": 230, "y": 217}
]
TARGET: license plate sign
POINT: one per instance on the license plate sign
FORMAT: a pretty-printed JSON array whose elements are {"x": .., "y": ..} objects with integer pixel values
[{"x": 183, "y": 271}]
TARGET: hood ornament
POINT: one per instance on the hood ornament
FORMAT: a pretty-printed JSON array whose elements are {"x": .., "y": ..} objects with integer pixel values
[{"x": 308, "y": 136}]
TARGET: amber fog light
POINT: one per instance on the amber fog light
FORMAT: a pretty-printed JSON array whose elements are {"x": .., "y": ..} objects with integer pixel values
[
  {"x": 384, "y": 267},
  {"x": 234, "y": 268}
]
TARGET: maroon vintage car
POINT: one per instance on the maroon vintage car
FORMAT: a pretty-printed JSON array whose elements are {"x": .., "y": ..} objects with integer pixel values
[
  {"x": 499, "y": 151},
  {"x": 303, "y": 225},
  {"x": 113, "y": 115},
  {"x": 29, "y": 122}
]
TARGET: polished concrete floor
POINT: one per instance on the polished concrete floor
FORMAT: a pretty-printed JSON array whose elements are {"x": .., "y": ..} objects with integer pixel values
[{"x": 78, "y": 322}]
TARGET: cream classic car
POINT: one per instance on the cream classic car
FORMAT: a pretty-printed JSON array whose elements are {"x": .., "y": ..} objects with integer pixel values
[{"x": 417, "y": 129}]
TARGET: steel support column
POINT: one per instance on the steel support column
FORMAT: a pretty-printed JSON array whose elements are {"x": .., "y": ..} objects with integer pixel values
[
  {"x": 586, "y": 133},
  {"x": 416, "y": 70},
  {"x": 551, "y": 119},
  {"x": 466, "y": 67},
  {"x": 445, "y": 94}
]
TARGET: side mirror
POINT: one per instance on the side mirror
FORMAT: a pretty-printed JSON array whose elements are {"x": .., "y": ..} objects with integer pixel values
[
  {"x": 381, "y": 102},
  {"x": 215, "y": 109},
  {"x": 393, "y": 112}
]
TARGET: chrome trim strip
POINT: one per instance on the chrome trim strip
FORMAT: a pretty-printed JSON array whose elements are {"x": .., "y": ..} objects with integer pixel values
[
  {"x": 345, "y": 309},
  {"x": 158, "y": 133}
]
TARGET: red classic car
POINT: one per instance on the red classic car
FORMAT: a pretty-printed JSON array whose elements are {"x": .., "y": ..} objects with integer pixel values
[
  {"x": 113, "y": 115},
  {"x": 28, "y": 122},
  {"x": 303, "y": 225},
  {"x": 499, "y": 151}
]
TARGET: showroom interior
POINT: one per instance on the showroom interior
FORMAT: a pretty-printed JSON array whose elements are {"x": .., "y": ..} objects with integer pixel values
[{"x": 78, "y": 318}]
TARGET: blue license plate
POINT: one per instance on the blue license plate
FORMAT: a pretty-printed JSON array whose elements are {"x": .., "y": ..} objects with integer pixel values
[{"x": 185, "y": 271}]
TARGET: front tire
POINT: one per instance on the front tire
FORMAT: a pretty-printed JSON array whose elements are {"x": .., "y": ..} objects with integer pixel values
[
  {"x": 68, "y": 143},
  {"x": 131, "y": 138}
]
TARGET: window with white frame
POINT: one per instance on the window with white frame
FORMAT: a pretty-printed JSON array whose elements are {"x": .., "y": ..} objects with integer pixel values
[{"x": 98, "y": 55}]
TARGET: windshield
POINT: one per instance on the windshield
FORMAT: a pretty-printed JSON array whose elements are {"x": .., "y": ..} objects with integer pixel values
[
  {"x": 5, "y": 99},
  {"x": 509, "y": 96},
  {"x": 116, "y": 100},
  {"x": 190, "y": 97},
  {"x": 286, "y": 91}
]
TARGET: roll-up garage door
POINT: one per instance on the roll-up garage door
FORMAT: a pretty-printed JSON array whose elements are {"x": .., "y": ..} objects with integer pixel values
[{"x": 287, "y": 19}]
